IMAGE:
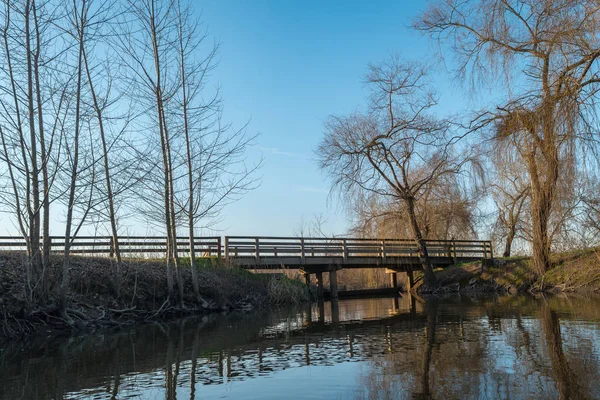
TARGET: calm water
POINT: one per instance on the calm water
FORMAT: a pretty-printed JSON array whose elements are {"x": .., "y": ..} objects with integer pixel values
[{"x": 356, "y": 349}]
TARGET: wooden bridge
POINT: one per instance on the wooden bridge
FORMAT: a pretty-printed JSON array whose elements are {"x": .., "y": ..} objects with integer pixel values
[{"x": 310, "y": 255}]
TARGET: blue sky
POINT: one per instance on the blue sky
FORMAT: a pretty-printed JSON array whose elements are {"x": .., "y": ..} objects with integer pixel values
[{"x": 287, "y": 66}]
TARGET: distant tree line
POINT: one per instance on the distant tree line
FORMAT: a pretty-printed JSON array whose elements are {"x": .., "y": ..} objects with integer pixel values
[
  {"x": 531, "y": 154},
  {"x": 107, "y": 112}
]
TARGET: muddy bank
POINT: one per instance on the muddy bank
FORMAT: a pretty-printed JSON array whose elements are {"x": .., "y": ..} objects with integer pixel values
[{"x": 98, "y": 299}]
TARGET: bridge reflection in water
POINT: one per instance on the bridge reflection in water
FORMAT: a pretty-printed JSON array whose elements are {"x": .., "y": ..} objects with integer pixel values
[{"x": 391, "y": 347}]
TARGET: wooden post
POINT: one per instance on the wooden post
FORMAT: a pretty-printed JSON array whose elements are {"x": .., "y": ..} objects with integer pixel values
[
  {"x": 111, "y": 252},
  {"x": 256, "y": 249},
  {"x": 227, "y": 249},
  {"x": 411, "y": 281},
  {"x": 454, "y": 258},
  {"x": 333, "y": 286},
  {"x": 219, "y": 247},
  {"x": 320, "y": 293},
  {"x": 302, "y": 253},
  {"x": 393, "y": 280},
  {"x": 485, "y": 250},
  {"x": 345, "y": 250},
  {"x": 383, "y": 252}
]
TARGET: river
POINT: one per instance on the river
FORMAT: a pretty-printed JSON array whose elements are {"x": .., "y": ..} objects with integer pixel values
[{"x": 375, "y": 348}]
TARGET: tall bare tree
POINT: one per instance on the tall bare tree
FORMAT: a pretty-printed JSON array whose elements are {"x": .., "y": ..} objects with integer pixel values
[
  {"x": 396, "y": 149},
  {"x": 212, "y": 153},
  {"x": 547, "y": 53},
  {"x": 148, "y": 44},
  {"x": 34, "y": 103}
]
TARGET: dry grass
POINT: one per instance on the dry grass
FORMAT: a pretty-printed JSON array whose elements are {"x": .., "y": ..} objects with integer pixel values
[
  {"x": 577, "y": 271},
  {"x": 574, "y": 271}
]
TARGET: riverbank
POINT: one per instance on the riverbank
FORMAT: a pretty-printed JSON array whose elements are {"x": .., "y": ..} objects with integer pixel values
[
  {"x": 97, "y": 300},
  {"x": 572, "y": 272}
]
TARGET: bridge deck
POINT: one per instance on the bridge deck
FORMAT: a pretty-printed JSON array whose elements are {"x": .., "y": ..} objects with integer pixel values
[
  {"x": 265, "y": 252},
  {"x": 303, "y": 253}
]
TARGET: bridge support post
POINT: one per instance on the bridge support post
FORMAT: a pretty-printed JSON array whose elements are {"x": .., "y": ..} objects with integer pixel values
[
  {"x": 319, "y": 285},
  {"x": 321, "y": 311},
  {"x": 335, "y": 311},
  {"x": 393, "y": 280},
  {"x": 410, "y": 281},
  {"x": 333, "y": 286}
]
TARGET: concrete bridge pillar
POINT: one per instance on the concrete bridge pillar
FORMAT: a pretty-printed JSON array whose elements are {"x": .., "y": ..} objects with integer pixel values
[
  {"x": 319, "y": 285},
  {"x": 333, "y": 286},
  {"x": 321, "y": 306},
  {"x": 410, "y": 282},
  {"x": 335, "y": 310},
  {"x": 395, "y": 305},
  {"x": 393, "y": 280}
]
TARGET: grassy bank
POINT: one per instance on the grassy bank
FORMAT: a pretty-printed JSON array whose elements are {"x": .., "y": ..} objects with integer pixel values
[
  {"x": 575, "y": 271},
  {"x": 96, "y": 299}
]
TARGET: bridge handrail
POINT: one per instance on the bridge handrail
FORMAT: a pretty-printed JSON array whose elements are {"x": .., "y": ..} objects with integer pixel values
[{"x": 236, "y": 247}]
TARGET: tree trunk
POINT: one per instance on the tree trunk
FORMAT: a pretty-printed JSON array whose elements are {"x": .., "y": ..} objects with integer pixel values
[
  {"x": 429, "y": 276},
  {"x": 542, "y": 196},
  {"x": 64, "y": 286},
  {"x": 45, "y": 158},
  {"x": 109, "y": 192},
  {"x": 509, "y": 241},
  {"x": 180, "y": 283},
  {"x": 190, "y": 165},
  {"x": 34, "y": 207},
  {"x": 165, "y": 160}
]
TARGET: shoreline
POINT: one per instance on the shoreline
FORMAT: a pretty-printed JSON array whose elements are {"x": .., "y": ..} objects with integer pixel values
[
  {"x": 94, "y": 303},
  {"x": 142, "y": 296},
  {"x": 575, "y": 272}
]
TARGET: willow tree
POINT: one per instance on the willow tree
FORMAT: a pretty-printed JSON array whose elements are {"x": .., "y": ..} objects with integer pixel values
[
  {"x": 395, "y": 149},
  {"x": 546, "y": 53}
]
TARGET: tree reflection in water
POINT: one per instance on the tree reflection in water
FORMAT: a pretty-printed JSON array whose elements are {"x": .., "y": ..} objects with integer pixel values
[{"x": 400, "y": 348}]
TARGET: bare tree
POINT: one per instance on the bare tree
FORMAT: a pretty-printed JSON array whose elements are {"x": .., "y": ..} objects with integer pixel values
[
  {"x": 547, "y": 53},
  {"x": 445, "y": 211},
  {"x": 147, "y": 46},
  {"x": 395, "y": 149},
  {"x": 34, "y": 103},
  {"x": 213, "y": 152},
  {"x": 510, "y": 191}
]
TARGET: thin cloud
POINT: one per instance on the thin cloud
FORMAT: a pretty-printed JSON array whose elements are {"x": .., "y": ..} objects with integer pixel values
[
  {"x": 278, "y": 152},
  {"x": 311, "y": 189}
]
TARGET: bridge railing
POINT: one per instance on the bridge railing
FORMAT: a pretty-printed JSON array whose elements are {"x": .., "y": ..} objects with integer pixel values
[
  {"x": 129, "y": 246},
  {"x": 261, "y": 247},
  {"x": 266, "y": 246}
]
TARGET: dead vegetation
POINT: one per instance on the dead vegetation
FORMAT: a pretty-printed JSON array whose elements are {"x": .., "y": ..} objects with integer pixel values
[
  {"x": 96, "y": 302},
  {"x": 574, "y": 271}
]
